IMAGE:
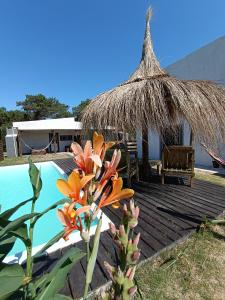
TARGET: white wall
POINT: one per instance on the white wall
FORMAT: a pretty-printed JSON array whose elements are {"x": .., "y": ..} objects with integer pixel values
[
  {"x": 11, "y": 143},
  {"x": 62, "y": 144},
  {"x": 201, "y": 156},
  {"x": 40, "y": 139},
  {"x": 34, "y": 139}
]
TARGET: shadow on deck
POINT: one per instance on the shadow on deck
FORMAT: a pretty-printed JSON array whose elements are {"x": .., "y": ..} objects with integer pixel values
[{"x": 169, "y": 213}]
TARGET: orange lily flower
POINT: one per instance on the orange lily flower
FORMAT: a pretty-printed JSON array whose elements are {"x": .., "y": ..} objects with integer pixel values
[
  {"x": 100, "y": 146},
  {"x": 70, "y": 218},
  {"x": 85, "y": 159},
  {"x": 110, "y": 171},
  {"x": 116, "y": 195},
  {"x": 73, "y": 187},
  {"x": 111, "y": 167}
]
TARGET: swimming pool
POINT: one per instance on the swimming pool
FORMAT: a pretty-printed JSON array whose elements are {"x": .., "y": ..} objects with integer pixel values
[{"x": 15, "y": 187}]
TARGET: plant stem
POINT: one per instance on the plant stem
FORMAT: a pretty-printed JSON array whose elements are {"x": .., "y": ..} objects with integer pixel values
[
  {"x": 29, "y": 268},
  {"x": 88, "y": 257},
  {"x": 86, "y": 290},
  {"x": 88, "y": 251}
]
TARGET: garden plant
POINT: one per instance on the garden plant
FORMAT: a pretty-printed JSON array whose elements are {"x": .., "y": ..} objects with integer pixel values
[{"x": 92, "y": 185}]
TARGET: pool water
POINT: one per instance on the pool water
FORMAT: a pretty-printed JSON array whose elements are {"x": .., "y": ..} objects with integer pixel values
[{"x": 15, "y": 187}]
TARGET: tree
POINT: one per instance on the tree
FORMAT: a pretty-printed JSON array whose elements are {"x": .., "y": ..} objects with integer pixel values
[
  {"x": 38, "y": 107},
  {"x": 77, "y": 110},
  {"x": 4, "y": 119}
]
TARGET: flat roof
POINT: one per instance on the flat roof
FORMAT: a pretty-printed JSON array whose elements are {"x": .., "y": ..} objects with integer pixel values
[{"x": 49, "y": 124}]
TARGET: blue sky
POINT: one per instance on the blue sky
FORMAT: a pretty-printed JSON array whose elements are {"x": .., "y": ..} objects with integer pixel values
[{"x": 74, "y": 49}]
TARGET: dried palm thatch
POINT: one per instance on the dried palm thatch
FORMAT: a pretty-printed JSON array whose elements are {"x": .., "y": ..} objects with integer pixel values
[{"x": 153, "y": 99}]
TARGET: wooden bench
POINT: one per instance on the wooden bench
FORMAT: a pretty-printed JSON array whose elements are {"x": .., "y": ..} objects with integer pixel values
[
  {"x": 178, "y": 161},
  {"x": 38, "y": 152}
]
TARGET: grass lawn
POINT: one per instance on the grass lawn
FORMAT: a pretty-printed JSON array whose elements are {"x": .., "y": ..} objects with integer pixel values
[
  {"x": 214, "y": 178},
  {"x": 35, "y": 158},
  {"x": 192, "y": 270}
]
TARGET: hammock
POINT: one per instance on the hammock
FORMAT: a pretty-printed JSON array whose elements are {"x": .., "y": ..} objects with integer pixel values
[
  {"x": 33, "y": 149},
  {"x": 214, "y": 156}
]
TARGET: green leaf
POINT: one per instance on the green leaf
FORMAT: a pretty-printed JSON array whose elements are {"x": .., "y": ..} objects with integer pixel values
[
  {"x": 61, "y": 297},
  {"x": 52, "y": 282},
  {"x": 20, "y": 232},
  {"x": 11, "y": 278},
  {"x": 10, "y": 226},
  {"x": 217, "y": 221},
  {"x": 35, "y": 179},
  {"x": 6, "y": 244},
  {"x": 94, "y": 253},
  {"x": 53, "y": 206},
  {"x": 8, "y": 213},
  {"x": 55, "y": 239}
]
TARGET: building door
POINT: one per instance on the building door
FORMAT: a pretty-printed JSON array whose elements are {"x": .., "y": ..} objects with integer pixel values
[{"x": 54, "y": 146}]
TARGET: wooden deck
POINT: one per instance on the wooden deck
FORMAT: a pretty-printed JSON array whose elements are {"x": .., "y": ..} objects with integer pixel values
[{"x": 169, "y": 213}]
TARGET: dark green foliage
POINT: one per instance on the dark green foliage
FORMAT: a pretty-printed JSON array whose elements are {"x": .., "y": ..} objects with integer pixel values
[
  {"x": 38, "y": 107},
  {"x": 11, "y": 278},
  {"x": 6, "y": 245},
  {"x": 77, "y": 110},
  {"x": 33, "y": 107}
]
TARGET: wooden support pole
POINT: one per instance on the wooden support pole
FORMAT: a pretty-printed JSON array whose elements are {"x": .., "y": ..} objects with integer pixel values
[
  {"x": 191, "y": 137},
  {"x": 19, "y": 144},
  {"x": 145, "y": 155}
]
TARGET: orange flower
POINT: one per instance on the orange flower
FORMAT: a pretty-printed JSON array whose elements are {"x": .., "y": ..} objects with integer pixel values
[
  {"x": 110, "y": 171},
  {"x": 89, "y": 160},
  {"x": 116, "y": 194},
  {"x": 83, "y": 158},
  {"x": 100, "y": 146},
  {"x": 70, "y": 218},
  {"x": 73, "y": 187},
  {"x": 111, "y": 167}
]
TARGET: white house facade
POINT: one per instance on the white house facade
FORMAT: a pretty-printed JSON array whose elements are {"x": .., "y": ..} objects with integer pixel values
[{"x": 52, "y": 135}]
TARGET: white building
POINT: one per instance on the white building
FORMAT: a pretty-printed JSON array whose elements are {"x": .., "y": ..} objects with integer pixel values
[
  {"x": 206, "y": 63},
  {"x": 51, "y": 135}
]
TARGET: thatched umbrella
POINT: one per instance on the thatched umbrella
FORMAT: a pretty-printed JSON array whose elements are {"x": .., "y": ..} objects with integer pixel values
[{"x": 151, "y": 98}]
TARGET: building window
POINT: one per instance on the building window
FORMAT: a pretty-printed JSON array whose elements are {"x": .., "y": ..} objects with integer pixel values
[{"x": 66, "y": 138}]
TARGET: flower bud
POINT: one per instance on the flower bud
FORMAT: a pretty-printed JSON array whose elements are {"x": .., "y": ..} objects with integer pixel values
[
  {"x": 112, "y": 228},
  {"x": 136, "y": 255},
  {"x": 136, "y": 240},
  {"x": 132, "y": 273},
  {"x": 125, "y": 208},
  {"x": 128, "y": 272},
  {"x": 109, "y": 269},
  {"x": 120, "y": 277},
  {"x": 122, "y": 230},
  {"x": 132, "y": 291}
]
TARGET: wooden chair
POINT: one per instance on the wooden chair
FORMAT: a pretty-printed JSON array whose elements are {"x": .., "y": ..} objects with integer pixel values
[
  {"x": 128, "y": 166},
  {"x": 178, "y": 160}
]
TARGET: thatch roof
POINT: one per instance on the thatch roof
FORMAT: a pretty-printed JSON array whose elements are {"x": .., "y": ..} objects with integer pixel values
[{"x": 153, "y": 99}]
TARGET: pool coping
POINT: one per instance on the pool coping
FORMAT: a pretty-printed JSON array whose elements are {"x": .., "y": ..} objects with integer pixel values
[{"x": 73, "y": 238}]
